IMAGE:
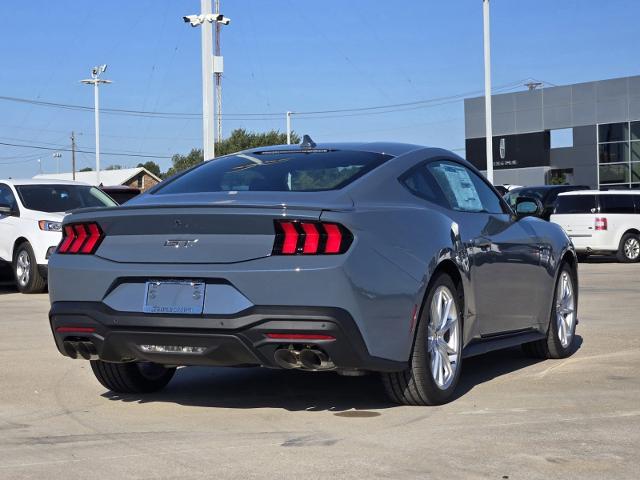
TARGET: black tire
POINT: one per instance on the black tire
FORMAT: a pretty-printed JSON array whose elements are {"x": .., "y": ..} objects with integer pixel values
[
  {"x": 25, "y": 270},
  {"x": 630, "y": 255},
  {"x": 416, "y": 385},
  {"x": 551, "y": 346},
  {"x": 132, "y": 377}
]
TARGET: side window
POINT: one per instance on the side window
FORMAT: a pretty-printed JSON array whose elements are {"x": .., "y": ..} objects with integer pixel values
[
  {"x": 6, "y": 196},
  {"x": 616, "y": 204},
  {"x": 422, "y": 184},
  {"x": 463, "y": 189}
]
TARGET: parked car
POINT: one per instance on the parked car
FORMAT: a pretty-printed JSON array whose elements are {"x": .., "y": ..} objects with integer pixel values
[
  {"x": 31, "y": 212},
  {"x": 377, "y": 257},
  {"x": 120, "y": 193},
  {"x": 601, "y": 222},
  {"x": 545, "y": 194}
]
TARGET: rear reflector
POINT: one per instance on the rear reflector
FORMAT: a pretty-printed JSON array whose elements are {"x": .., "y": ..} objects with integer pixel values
[
  {"x": 299, "y": 336},
  {"x": 75, "y": 330},
  {"x": 80, "y": 238},
  {"x": 601, "y": 223},
  {"x": 295, "y": 237}
]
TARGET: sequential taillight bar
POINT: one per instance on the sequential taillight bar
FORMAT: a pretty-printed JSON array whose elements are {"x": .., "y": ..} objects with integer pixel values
[
  {"x": 301, "y": 237},
  {"x": 80, "y": 238}
]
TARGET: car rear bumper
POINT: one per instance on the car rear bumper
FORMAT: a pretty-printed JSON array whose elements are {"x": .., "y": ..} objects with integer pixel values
[{"x": 234, "y": 340}]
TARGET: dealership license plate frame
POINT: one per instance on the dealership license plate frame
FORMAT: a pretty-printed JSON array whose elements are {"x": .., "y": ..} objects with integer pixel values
[{"x": 174, "y": 297}]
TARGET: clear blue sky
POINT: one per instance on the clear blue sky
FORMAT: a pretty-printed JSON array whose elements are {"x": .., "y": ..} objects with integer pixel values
[{"x": 283, "y": 55}]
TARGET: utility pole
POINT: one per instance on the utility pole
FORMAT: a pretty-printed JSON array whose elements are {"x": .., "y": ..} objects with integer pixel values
[
  {"x": 487, "y": 88},
  {"x": 288, "y": 128},
  {"x": 73, "y": 155},
  {"x": 210, "y": 64},
  {"x": 95, "y": 80}
]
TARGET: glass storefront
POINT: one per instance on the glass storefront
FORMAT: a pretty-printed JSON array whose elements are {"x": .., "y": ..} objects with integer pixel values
[{"x": 619, "y": 155}]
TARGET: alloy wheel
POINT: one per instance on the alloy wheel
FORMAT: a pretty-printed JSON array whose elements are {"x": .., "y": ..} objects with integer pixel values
[
  {"x": 443, "y": 338},
  {"x": 565, "y": 309},
  {"x": 632, "y": 248},
  {"x": 23, "y": 268}
]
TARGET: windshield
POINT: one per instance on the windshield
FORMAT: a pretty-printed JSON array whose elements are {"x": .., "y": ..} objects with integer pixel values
[
  {"x": 62, "y": 198},
  {"x": 276, "y": 171}
]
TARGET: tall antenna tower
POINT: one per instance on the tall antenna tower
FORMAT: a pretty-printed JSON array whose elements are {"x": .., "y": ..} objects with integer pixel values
[{"x": 218, "y": 69}]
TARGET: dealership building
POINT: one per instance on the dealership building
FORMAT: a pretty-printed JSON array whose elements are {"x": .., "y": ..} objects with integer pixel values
[{"x": 582, "y": 134}]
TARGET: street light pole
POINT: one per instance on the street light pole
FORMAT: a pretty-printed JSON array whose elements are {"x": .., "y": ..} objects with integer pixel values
[
  {"x": 207, "y": 84},
  {"x": 288, "y": 128},
  {"x": 95, "y": 80},
  {"x": 487, "y": 88}
]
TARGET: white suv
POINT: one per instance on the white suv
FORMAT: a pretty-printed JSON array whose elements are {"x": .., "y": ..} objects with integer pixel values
[
  {"x": 601, "y": 222},
  {"x": 31, "y": 212}
]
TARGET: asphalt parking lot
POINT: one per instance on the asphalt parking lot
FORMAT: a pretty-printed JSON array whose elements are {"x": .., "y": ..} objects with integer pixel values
[{"x": 514, "y": 418}]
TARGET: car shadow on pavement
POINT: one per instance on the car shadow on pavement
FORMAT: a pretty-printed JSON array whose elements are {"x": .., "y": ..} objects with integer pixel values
[{"x": 249, "y": 388}]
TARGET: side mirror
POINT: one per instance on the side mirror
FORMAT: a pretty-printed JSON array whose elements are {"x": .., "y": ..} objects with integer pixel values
[
  {"x": 5, "y": 209},
  {"x": 527, "y": 207}
]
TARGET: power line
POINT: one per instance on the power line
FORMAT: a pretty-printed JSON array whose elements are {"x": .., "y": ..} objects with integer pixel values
[{"x": 119, "y": 154}]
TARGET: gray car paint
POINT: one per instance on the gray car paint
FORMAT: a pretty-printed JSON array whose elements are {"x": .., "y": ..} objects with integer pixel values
[{"x": 508, "y": 266}]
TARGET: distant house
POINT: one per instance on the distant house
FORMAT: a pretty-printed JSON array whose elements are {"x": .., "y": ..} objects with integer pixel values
[{"x": 138, "y": 177}]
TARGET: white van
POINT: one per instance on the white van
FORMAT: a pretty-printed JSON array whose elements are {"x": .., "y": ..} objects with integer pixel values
[{"x": 601, "y": 222}]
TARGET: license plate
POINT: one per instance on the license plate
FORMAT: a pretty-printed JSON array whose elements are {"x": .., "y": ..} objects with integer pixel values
[{"x": 174, "y": 297}]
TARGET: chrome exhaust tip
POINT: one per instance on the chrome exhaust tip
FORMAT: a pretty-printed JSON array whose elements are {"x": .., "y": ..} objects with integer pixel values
[
  {"x": 315, "y": 360},
  {"x": 87, "y": 350},
  {"x": 286, "y": 358}
]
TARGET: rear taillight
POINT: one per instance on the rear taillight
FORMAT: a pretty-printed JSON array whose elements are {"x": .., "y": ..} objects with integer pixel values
[
  {"x": 80, "y": 238},
  {"x": 295, "y": 237},
  {"x": 601, "y": 223}
]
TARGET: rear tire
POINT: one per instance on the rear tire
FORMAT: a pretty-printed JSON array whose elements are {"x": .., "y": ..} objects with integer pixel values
[
  {"x": 25, "y": 270},
  {"x": 435, "y": 362},
  {"x": 561, "y": 333},
  {"x": 629, "y": 249},
  {"x": 132, "y": 377}
]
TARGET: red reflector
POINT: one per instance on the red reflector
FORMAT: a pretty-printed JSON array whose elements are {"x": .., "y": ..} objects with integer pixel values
[
  {"x": 81, "y": 236},
  {"x": 311, "y": 239},
  {"x": 290, "y": 238},
  {"x": 601, "y": 223},
  {"x": 75, "y": 329},
  {"x": 334, "y": 238},
  {"x": 69, "y": 237},
  {"x": 94, "y": 237},
  {"x": 299, "y": 336}
]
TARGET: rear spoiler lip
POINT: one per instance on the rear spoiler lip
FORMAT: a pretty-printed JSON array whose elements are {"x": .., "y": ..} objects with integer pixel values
[{"x": 201, "y": 206}]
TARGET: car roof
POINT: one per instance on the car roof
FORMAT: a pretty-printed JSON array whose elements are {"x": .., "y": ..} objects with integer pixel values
[
  {"x": 601, "y": 192},
  {"x": 388, "y": 148},
  {"x": 547, "y": 187},
  {"x": 32, "y": 181}
]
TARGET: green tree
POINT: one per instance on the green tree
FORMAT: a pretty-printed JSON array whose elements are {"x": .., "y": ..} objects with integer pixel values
[
  {"x": 114, "y": 167},
  {"x": 86, "y": 169},
  {"x": 183, "y": 162},
  {"x": 239, "y": 140},
  {"x": 152, "y": 166}
]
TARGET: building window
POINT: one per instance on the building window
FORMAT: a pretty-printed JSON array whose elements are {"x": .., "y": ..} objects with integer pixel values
[
  {"x": 561, "y": 138},
  {"x": 140, "y": 181},
  {"x": 619, "y": 155}
]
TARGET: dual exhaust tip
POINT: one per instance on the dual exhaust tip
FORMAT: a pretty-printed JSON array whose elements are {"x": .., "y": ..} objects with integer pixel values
[
  {"x": 306, "y": 359},
  {"x": 85, "y": 350}
]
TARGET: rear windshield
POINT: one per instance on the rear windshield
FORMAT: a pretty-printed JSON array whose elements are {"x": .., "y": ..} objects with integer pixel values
[
  {"x": 512, "y": 197},
  {"x": 576, "y": 204},
  {"x": 276, "y": 171},
  {"x": 62, "y": 198}
]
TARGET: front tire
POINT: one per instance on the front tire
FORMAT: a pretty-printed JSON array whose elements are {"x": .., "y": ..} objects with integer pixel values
[
  {"x": 435, "y": 362},
  {"x": 561, "y": 333},
  {"x": 629, "y": 249},
  {"x": 25, "y": 270},
  {"x": 132, "y": 377}
]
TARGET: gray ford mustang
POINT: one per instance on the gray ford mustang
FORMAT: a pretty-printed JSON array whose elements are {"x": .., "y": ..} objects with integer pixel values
[{"x": 357, "y": 258}]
